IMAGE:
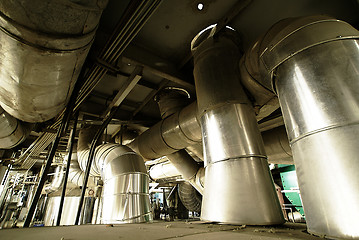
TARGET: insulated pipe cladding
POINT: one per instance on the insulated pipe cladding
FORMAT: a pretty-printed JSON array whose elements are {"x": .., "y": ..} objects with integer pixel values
[
  {"x": 12, "y": 131},
  {"x": 239, "y": 187},
  {"x": 312, "y": 64},
  {"x": 34, "y": 34},
  {"x": 125, "y": 197}
]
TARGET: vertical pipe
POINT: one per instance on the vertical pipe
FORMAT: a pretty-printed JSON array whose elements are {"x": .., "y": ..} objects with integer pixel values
[
  {"x": 239, "y": 186},
  {"x": 312, "y": 65},
  {"x": 71, "y": 140},
  {"x": 90, "y": 160},
  {"x": 318, "y": 92}
]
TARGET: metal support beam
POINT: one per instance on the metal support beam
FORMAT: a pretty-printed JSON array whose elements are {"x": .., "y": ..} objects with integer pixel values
[
  {"x": 170, "y": 76},
  {"x": 150, "y": 96},
  {"x": 125, "y": 90}
]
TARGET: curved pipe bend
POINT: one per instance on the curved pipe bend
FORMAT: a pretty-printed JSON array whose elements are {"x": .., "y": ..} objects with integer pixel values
[
  {"x": 126, "y": 182},
  {"x": 311, "y": 64}
]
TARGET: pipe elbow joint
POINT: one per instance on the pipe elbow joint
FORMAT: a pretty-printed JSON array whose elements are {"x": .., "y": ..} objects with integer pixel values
[{"x": 286, "y": 39}]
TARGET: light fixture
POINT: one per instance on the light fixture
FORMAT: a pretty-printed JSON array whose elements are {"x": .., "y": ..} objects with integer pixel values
[{"x": 200, "y": 6}]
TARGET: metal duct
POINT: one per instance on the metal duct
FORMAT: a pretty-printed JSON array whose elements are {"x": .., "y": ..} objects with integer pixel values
[
  {"x": 188, "y": 168},
  {"x": 153, "y": 145},
  {"x": 190, "y": 198},
  {"x": 239, "y": 186},
  {"x": 312, "y": 65},
  {"x": 277, "y": 146},
  {"x": 34, "y": 34},
  {"x": 12, "y": 131},
  {"x": 175, "y": 132},
  {"x": 125, "y": 195},
  {"x": 76, "y": 176},
  {"x": 171, "y": 101},
  {"x": 164, "y": 170}
]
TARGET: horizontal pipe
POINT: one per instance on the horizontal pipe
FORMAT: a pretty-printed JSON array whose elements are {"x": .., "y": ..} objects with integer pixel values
[
  {"x": 12, "y": 131},
  {"x": 175, "y": 132},
  {"x": 154, "y": 146},
  {"x": 61, "y": 35}
]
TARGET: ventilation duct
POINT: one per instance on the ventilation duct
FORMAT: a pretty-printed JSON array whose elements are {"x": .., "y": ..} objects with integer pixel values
[
  {"x": 173, "y": 133},
  {"x": 159, "y": 141},
  {"x": 312, "y": 65},
  {"x": 125, "y": 195},
  {"x": 239, "y": 186},
  {"x": 164, "y": 170},
  {"x": 12, "y": 131},
  {"x": 43, "y": 46},
  {"x": 171, "y": 101}
]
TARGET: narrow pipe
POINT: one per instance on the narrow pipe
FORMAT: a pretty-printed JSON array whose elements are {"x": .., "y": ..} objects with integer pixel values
[
  {"x": 68, "y": 164},
  {"x": 312, "y": 65},
  {"x": 239, "y": 188},
  {"x": 60, "y": 131}
]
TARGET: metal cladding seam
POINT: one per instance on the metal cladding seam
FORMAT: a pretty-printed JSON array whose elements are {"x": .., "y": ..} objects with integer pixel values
[
  {"x": 311, "y": 63},
  {"x": 34, "y": 34},
  {"x": 125, "y": 196}
]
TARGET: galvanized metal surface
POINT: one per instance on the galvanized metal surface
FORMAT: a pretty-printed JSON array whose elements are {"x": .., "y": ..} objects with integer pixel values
[
  {"x": 238, "y": 185},
  {"x": 125, "y": 197},
  {"x": 32, "y": 89},
  {"x": 314, "y": 61},
  {"x": 318, "y": 91},
  {"x": 239, "y": 188},
  {"x": 169, "y": 135},
  {"x": 69, "y": 214},
  {"x": 163, "y": 170},
  {"x": 56, "y": 181}
]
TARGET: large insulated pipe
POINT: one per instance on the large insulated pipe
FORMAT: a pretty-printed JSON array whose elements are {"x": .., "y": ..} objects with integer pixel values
[
  {"x": 171, "y": 101},
  {"x": 12, "y": 131},
  {"x": 312, "y": 64},
  {"x": 173, "y": 133},
  {"x": 182, "y": 130},
  {"x": 43, "y": 44},
  {"x": 239, "y": 187},
  {"x": 125, "y": 195}
]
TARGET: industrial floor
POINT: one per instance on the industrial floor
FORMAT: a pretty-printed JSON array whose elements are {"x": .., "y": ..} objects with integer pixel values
[{"x": 159, "y": 231}]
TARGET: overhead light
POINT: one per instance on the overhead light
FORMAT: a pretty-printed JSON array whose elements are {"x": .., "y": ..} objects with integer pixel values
[{"x": 200, "y": 6}]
